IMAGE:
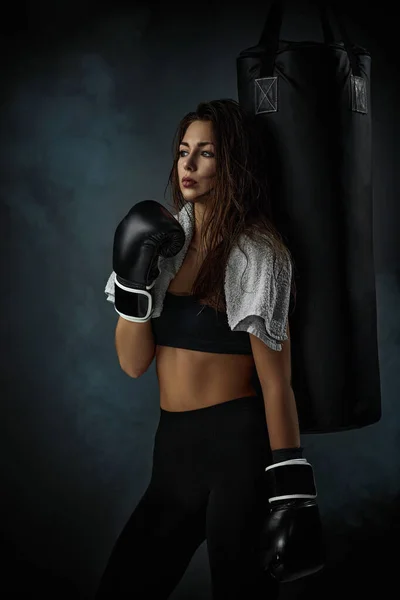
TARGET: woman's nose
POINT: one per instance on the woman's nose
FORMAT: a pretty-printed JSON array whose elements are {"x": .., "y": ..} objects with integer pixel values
[{"x": 189, "y": 164}]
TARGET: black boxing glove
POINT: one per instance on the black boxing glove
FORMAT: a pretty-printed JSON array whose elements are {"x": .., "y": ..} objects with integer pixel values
[
  {"x": 148, "y": 231},
  {"x": 291, "y": 538}
]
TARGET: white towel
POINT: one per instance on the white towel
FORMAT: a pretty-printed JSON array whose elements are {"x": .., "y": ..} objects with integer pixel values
[{"x": 257, "y": 293}]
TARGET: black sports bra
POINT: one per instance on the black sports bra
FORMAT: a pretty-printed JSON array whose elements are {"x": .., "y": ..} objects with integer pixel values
[{"x": 185, "y": 323}]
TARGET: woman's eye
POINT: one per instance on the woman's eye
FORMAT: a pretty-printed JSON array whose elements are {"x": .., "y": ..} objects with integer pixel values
[{"x": 205, "y": 152}]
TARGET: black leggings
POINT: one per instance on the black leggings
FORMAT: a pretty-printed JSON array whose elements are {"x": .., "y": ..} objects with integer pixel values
[{"x": 206, "y": 484}]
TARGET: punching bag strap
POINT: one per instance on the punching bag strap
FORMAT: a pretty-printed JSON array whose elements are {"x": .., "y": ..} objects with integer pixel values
[
  {"x": 269, "y": 39},
  {"x": 329, "y": 37},
  {"x": 358, "y": 84}
]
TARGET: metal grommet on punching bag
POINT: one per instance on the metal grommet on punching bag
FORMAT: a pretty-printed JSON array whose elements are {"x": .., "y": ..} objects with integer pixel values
[{"x": 311, "y": 102}]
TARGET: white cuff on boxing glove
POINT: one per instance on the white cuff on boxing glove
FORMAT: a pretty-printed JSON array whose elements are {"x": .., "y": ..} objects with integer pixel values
[
  {"x": 291, "y": 479},
  {"x": 130, "y": 302}
]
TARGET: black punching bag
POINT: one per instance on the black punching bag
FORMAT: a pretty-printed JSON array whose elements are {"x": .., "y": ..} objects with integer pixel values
[{"x": 311, "y": 102}]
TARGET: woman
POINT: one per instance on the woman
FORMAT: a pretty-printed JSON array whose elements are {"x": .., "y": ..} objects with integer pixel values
[{"x": 217, "y": 433}]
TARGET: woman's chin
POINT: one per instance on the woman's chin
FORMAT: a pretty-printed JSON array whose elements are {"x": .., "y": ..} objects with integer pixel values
[{"x": 194, "y": 196}]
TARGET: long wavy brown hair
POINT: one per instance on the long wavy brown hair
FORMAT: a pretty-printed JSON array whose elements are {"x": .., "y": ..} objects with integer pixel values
[{"x": 239, "y": 202}]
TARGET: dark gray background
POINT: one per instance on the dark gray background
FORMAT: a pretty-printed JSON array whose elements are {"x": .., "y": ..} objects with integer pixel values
[{"x": 90, "y": 99}]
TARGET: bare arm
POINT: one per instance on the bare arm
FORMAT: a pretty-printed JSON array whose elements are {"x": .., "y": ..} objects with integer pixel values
[
  {"x": 134, "y": 343},
  {"x": 274, "y": 372},
  {"x": 282, "y": 419}
]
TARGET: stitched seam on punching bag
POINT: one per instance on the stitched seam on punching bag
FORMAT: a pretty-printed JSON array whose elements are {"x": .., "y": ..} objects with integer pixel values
[
  {"x": 358, "y": 94},
  {"x": 266, "y": 95}
]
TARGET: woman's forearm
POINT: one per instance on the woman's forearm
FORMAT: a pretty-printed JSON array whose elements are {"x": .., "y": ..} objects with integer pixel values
[
  {"x": 282, "y": 418},
  {"x": 135, "y": 346}
]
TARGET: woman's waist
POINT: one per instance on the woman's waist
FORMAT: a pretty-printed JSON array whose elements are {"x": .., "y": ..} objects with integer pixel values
[{"x": 191, "y": 379}]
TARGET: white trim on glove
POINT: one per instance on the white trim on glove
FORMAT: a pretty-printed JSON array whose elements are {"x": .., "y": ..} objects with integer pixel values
[{"x": 294, "y": 461}]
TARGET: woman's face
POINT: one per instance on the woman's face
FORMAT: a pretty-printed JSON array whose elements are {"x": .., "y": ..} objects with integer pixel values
[{"x": 197, "y": 161}]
